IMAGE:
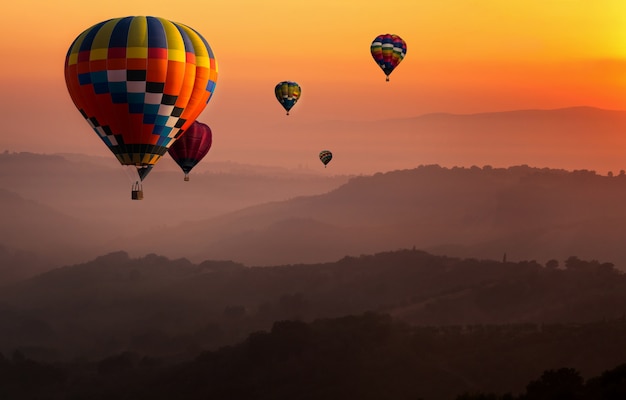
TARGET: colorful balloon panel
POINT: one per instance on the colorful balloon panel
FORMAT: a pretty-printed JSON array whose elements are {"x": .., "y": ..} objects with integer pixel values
[
  {"x": 140, "y": 82},
  {"x": 326, "y": 156},
  {"x": 191, "y": 147},
  {"x": 388, "y": 51},
  {"x": 287, "y": 93}
]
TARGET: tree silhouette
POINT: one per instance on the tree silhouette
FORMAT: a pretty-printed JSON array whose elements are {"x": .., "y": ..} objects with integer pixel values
[
  {"x": 552, "y": 264},
  {"x": 609, "y": 385},
  {"x": 560, "y": 384}
]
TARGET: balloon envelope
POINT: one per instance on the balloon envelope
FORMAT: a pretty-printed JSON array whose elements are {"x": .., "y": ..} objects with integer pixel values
[
  {"x": 326, "y": 156},
  {"x": 139, "y": 82},
  {"x": 388, "y": 50},
  {"x": 191, "y": 147},
  {"x": 287, "y": 93}
]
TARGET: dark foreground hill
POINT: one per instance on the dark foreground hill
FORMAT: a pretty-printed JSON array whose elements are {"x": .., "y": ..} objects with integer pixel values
[
  {"x": 173, "y": 308},
  {"x": 368, "y": 356},
  {"x": 525, "y": 212}
]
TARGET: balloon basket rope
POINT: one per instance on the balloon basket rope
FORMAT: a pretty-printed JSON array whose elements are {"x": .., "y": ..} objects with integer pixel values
[{"x": 136, "y": 192}]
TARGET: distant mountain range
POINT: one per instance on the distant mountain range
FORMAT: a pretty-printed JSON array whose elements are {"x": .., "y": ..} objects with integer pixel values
[
  {"x": 523, "y": 212},
  {"x": 63, "y": 209},
  {"x": 568, "y": 138},
  {"x": 69, "y": 208}
]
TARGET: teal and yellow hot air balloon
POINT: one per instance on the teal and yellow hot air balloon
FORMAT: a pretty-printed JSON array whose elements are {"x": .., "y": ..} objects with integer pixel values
[
  {"x": 140, "y": 82},
  {"x": 287, "y": 94},
  {"x": 388, "y": 50}
]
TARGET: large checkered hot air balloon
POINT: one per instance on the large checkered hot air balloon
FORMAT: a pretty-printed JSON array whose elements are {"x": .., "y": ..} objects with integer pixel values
[
  {"x": 287, "y": 93},
  {"x": 140, "y": 82},
  {"x": 191, "y": 147},
  {"x": 388, "y": 51}
]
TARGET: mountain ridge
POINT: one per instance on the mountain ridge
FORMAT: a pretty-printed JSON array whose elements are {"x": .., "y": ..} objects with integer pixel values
[
  {"x": 109, "y": 304},
  {"x": 569, "y": 138},
  {"x": 481, "y": 212}
]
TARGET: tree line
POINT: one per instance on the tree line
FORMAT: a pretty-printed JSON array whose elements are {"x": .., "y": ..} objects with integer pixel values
[{"x": 366, "y": 356}]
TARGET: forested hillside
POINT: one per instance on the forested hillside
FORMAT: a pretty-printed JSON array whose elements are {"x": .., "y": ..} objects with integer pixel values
[
  {"x": 366, "y": 356},
  {"x": 173, "y": 308},
  {"x": 528, "y": 213}
]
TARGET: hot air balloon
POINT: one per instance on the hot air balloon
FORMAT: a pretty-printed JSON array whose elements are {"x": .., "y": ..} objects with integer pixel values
[
  {"x": 388, "y": 51},
  {"x": 287, "y": 94},
  {"x": 191, "y": 147},
  {"x": 326, "y": 156},
  {"x": 140, "y": 82}
]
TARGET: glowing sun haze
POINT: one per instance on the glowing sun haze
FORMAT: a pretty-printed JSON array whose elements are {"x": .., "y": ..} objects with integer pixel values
[{"x": 463, "y": 56}]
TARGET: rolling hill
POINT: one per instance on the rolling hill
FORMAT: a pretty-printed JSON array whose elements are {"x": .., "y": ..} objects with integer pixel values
[
  {"x": 527, "y": 213},
  {"x": 35, "y": 237},
  {"x": 268, "y": 215},
  {"x": 174, "y": 308},
  {"x": 64, "y": 209}
]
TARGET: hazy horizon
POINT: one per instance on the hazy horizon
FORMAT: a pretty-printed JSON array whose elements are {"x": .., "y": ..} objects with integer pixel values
[
  {"x": 462, "y": 58},
  {"x": 443, "y": 138}
]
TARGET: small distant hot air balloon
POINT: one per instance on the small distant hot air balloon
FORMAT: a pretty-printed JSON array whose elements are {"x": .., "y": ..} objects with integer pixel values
[
  {"x": 140, "y": 82},
  {"x": 191, "y": 147},
  {"x": 325, "y": 157},
  {"x": 388, "y": 51},
  {"x": 287, "y": 94}
]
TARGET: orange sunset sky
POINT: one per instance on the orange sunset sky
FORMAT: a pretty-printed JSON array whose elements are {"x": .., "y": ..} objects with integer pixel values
[{"x": 463, "y": 56}]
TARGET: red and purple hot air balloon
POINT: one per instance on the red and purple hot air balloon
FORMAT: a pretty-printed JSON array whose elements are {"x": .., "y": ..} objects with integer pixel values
[{"x": 191, "y": 147}]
